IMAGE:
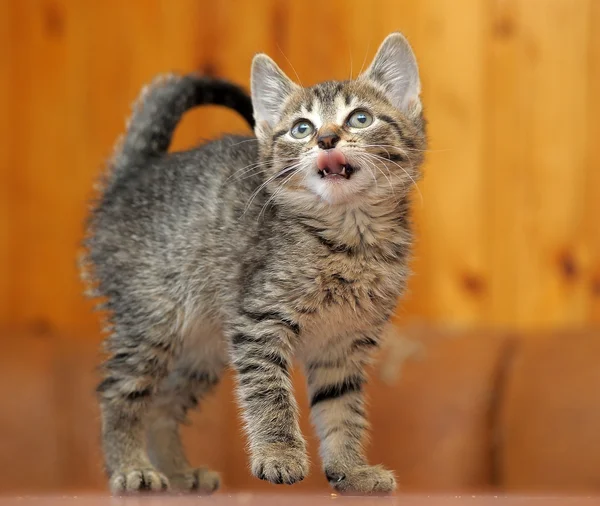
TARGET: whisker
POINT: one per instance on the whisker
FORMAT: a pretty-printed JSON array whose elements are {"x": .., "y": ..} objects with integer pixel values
[
  {"x": 402, "y": 150},
  {"x": 257, "y": 191},
  {"x": 255, "y": 165},
  {"x": 399, "y": 149},
  {"x": 365, "y": 58},
  {"x": 363, "y": 160},
  {"x": 290, "y": 64},
  {"x": 382, "y": 146},
  {"x": 246, "y": 169},
  {"x": 278, "y": 190},
  {"x": 252, "y": 173},
  {"x": 242, "y": 142},
  {"x": 404, "y": 170},
  {"x": 265, "y": 183},
  {"x": 383, "y": 174},
  {"x": 405, "y": 148},
  {"x": 350, "y": 51}
]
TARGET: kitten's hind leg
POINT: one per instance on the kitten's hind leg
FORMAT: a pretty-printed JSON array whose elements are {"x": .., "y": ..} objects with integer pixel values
[
  {"x": 131, "y": 380},
  {"x": 181, "y": 391}
]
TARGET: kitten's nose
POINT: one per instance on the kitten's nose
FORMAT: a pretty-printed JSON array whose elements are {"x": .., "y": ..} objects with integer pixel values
[{"x": 327, "y": 140}]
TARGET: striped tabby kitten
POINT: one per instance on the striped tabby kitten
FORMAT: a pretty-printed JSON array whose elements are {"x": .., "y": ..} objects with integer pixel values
[{"x": 251, "y": 252}]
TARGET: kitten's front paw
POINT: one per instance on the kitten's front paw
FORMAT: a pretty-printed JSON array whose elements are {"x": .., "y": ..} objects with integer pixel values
[
  {"x": 362, "y": 480},
  {"x": 138, "y": 480},
  {"x": 279, "y": 463},
  {"x": 201, "y": 480}
]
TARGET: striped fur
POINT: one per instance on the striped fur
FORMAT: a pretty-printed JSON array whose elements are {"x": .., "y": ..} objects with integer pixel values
[{"x": 238, "y": 253}]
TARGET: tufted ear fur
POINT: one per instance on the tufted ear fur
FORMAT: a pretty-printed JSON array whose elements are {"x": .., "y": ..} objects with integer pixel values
[
  {"x": 270, "y": 88},
  {"x": 395, "y": 70}
]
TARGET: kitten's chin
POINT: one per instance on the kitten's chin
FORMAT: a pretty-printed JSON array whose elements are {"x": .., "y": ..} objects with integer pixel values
[{"x": 336, "y": 190}]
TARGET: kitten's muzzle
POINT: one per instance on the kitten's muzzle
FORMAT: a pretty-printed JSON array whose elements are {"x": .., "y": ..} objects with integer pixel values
[{"x": 332, "y": 163}]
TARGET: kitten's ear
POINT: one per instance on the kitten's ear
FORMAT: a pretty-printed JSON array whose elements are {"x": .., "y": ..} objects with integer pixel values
[
  {"x": 395, "y": 69},
  {"x": 270, "y": 88}
]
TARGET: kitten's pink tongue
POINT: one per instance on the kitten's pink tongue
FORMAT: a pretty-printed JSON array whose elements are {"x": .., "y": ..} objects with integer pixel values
[{"x": 331, "y": 159}]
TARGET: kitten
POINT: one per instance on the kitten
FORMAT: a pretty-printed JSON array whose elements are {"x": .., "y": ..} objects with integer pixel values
[{"x": 251, "y": 252}]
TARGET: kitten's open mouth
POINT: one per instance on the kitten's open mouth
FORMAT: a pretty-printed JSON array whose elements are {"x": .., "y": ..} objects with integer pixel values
[
  {"x": 332, "y": 163},
  {"x": 342, "y": 171}
]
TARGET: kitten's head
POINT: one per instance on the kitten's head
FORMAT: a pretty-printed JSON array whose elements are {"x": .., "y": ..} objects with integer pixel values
[{"x": 339, "y": 142}]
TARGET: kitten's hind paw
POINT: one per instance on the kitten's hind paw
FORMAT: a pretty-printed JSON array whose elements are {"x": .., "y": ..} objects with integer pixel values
[
  {"x": 362, "y": 480},
  {"x": 280, "y": 464},
  {"x": 200, "y": 480},
  {"x": 138, "y": 480}
]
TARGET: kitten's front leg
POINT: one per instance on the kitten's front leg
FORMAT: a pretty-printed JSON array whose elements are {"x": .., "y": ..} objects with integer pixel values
[
  {"x": 261, "y": 353},
  {"x": 338, "y": 413}
]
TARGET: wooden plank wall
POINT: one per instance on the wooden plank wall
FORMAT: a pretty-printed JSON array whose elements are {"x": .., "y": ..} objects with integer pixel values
[{"x": 508, "y": 219}]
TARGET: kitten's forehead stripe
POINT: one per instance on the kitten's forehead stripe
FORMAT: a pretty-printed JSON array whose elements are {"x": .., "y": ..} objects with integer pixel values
[{"x": 278, "y": 134}]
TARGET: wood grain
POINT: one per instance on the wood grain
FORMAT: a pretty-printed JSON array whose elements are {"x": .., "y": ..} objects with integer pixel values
[
  {"x": 507, "y": 221},
  {"x": 591, "y": 231},
  {"x": 5, "y": 134},
  {"x": 537, "y": 167}
]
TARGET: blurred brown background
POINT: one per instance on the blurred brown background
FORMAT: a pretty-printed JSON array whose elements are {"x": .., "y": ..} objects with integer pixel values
[{"x": 507, "y": 218}]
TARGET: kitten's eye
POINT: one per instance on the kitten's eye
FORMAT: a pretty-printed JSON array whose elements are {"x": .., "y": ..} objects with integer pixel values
[
  {"x": 360, "y": 119},
  {"x": 302, "y": 129}
]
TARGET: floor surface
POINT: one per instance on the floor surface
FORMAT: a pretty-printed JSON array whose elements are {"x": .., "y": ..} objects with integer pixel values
[{"x": 295, "y": 500}]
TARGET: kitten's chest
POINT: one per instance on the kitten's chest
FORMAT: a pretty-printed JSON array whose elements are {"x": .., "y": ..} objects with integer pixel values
[{"x": 348, "y": 296}]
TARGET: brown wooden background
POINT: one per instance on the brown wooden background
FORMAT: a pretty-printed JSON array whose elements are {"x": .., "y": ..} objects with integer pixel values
[{"x": 510, "y": 209}]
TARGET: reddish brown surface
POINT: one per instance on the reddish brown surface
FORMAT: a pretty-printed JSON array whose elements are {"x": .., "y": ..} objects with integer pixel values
[
  {"x": 438, "y": 415},
  {"x": 550, "y": 417},
  {"x": 286, "y": 500},
  {"x": 475, "y": 413},
  {"x": 431, "y": 424}
]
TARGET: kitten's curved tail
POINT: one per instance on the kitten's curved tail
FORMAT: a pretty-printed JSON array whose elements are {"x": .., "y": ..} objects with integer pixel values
[{"x": 161, "y": 106}]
